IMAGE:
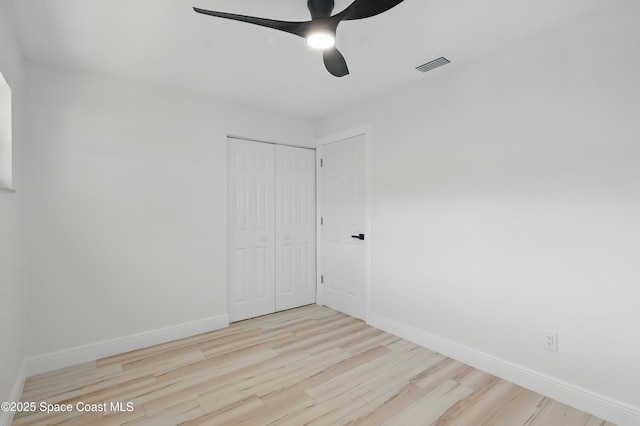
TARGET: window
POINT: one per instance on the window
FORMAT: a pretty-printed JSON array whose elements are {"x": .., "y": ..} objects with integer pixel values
[{"x": 5, "y": 135}]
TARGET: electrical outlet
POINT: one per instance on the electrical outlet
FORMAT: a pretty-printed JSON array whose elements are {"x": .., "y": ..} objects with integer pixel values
[{"x": 550, "y": 341}]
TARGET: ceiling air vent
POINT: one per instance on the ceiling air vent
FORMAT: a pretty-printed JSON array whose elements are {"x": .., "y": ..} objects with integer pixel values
[{"x": 433, "y": 64}]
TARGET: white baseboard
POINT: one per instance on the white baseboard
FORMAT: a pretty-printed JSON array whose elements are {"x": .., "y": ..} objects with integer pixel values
[
  {"x": 594, "y": 403},
  {"x": 94, "y": 351},
  {"x": 16, "y": 392}
]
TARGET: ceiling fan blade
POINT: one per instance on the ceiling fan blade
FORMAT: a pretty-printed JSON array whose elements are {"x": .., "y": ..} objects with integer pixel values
[
  {"x": 361, "y": 9},
  {"x": 334, "y": 62},
  {"x": 297, "y": 28}
]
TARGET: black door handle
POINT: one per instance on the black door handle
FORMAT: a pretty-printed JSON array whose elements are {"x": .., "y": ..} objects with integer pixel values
[{"x": 359, "y": 236}]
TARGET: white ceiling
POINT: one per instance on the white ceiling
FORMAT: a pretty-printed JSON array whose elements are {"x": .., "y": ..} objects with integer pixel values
[{"x": 165, "y": 42}]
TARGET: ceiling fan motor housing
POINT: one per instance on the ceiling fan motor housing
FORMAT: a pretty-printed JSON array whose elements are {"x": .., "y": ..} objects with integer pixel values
[{"x": 320, "y": 8}]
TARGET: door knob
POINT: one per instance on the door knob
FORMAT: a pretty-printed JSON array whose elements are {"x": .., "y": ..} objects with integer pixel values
[
  {"x": 286, "y": 237},
  {"x": 264, "y": 238},
  {"x": 359, "y": 236}
]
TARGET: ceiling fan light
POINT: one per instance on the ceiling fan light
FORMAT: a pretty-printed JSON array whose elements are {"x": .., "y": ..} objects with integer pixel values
[{"x": 321, "y": 40}]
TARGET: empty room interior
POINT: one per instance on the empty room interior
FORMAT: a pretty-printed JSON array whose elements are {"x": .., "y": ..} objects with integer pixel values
[{"x": 316, "y": 212}]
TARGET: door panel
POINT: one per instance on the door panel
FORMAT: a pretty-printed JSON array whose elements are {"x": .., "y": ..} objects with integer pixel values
[
  {"x": 344, "y": 215},
  {"x": 241, "y": 288},
  {"x": 295, "y": 227},
  {"x": 251, "y": 229}
]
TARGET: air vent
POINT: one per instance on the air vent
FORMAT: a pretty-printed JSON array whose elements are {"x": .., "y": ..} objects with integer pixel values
[{"x": 433, "y": 64}]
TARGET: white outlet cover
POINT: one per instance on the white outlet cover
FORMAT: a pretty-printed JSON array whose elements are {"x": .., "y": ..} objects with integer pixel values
[{"x": 550, "y": 340}]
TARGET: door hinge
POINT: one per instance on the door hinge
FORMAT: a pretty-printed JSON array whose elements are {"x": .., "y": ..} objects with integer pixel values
[
  {"x": 321, "y": 279},
  {"x": 321, "y": 162},
  {"x": 321, "y": 220}
]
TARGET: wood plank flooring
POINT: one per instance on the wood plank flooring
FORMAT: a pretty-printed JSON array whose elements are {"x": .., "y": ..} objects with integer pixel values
[{"x": 309, "y": 365}]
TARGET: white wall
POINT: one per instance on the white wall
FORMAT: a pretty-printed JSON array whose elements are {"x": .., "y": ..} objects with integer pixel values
[
  {"x": 508, "y": 198},
  {"x": 12, "y": 319},
  {"x": 126, "y": 205}
]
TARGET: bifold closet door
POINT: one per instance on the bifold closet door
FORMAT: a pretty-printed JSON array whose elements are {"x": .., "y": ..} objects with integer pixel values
[
  {"x": 251, "y": 229},
  {"x": 295, "y": 227},
  {"x": 271, "y": 228}
]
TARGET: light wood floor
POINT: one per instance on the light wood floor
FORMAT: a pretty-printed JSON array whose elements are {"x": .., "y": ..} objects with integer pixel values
[{"x": 309, "y": 365}]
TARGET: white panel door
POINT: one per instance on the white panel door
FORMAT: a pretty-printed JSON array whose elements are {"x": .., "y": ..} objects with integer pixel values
[
  {"x": 251, "y": 229},
  {"x": 295, "y": 227},
  {"x": 344, "y": 223}
]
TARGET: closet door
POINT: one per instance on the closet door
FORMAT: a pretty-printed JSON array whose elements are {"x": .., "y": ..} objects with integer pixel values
[
  {"x": 295, "y": 227},
  {"x": 251, "y": 229}
]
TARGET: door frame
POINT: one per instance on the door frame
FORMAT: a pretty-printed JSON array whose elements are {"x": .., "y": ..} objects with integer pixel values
[{"x": 364, "y": 130}]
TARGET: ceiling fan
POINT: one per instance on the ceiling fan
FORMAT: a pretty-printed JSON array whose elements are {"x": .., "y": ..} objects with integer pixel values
[{"x": 320, "y": 31}]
